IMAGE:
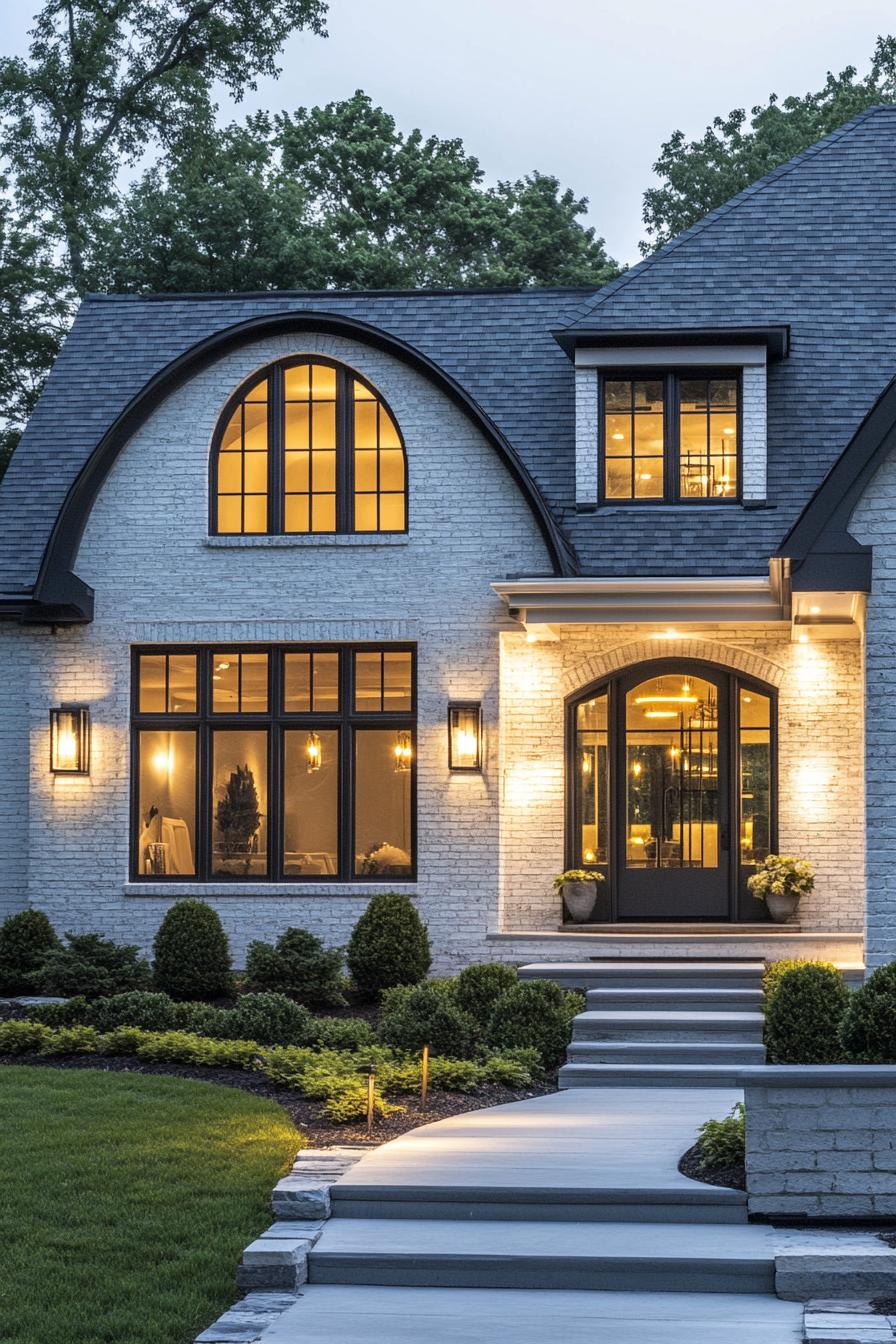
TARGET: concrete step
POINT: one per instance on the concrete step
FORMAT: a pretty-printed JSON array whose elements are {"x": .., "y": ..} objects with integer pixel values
[
  {"x": 327, "y": 1314},
  {"x": 707, "y": 999},
  {"x": 643, "y": 974},
  {"x": 679, "y": 1202},
  {"x": 417, "y": 1253},
  {"x": 664, "y": 1052},
  {"x": 653, "y": 1025},
  {"x": 649, "y": 1075}
]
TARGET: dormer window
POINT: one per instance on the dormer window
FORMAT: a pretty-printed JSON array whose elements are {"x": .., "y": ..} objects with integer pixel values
[{"x": 670, "y": 437}]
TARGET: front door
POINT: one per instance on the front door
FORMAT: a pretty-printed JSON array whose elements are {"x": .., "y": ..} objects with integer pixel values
[{"x": 672, "y": 796}]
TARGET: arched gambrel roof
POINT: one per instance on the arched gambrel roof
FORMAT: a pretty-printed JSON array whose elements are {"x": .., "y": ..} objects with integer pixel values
[
  {"x": 60, "y": 596},
  {"x": 823, "y": 554}
]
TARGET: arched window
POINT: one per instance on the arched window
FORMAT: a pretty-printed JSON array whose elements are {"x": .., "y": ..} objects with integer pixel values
[{"x": 308, "y": 446}]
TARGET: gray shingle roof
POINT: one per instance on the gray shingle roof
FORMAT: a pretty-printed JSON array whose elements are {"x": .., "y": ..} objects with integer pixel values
[{"x": 812, "y": 245}]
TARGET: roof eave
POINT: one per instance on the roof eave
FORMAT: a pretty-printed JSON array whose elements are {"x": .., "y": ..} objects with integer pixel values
[{"x": 775, "y": 338}]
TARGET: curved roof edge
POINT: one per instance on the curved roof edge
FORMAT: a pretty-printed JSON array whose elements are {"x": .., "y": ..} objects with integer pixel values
[
  {"x": 60, "y": 597},
  {"x": 823, "y": 553}
]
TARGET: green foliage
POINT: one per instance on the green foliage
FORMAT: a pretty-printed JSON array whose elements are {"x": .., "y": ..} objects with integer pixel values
[
  {"x": 775, "y": 970},
  {"x": 19, "y": 1037},
  {"x": 192, "y": 956},
  {"x": 536, "y": 1014},
  {"x": 237, "y": 816},
  {"x": 298, "y": 965},
  {"x": 697, "y": 176},
  {"x": 427, "y": 1014},
  {"x": 723, "y": 1143},
  {"x": 92, "y": 966},
  {"x": 270, "y": 1019},
  {"x": 140, "y": 1008},
  {"x": 343, "y": 1033},
  {"x": 781, "y": 875},
  {"x": 201, "y": 1018},
  {"x": 122, "y": 1041},
  {"x": 79, "y": 1040},
  {"x": 24, "y": 940},
  {"x": 803, "y": 1019},
  {"x": 868, "y": 1032},
  {"x": 389, "y": 945},
  {"x": 512, "y": 1068},
  {"x": 478, "y": 988},
  {"x": 66, "y": 1014},
  {"x": 181, "y": 1047}
]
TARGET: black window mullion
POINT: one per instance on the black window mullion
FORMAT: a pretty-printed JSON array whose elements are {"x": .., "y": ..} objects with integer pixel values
[
  {"x": 276, "y": 419},
  {"x": 204, "y": 765},
  {"x": 671, "y": 439},
  {"x": 346, "y": 818},
  {"x": 276, "y": 771},
  {"x": 345, "y": 483}
]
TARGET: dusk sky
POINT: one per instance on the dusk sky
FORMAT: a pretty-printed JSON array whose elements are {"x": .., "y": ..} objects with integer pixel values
[{"x": 587, "y": 91}]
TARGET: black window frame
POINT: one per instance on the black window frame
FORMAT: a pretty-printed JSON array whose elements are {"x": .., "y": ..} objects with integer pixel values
[
  {"x": 345, "y": 450},
  {"x": 347, "y": 721},
  {"x": 671, "y": 379}
]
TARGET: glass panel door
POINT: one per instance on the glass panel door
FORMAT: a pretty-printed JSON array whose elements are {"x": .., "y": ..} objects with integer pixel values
[{"x": 592, "y": 784}]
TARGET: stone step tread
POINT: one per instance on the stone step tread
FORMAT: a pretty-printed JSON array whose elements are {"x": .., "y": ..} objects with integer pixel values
[
  {"x": 719, "y": 998},
  {"x": 686, "y": 1052},
  {"x": 649, "y": 1075},
  {"x": 621, "y": 966},
  {"x": 673, "y": 1017},
  {"x": 357, "y": 1314},
  {"x": 443, "y": 1238},
  {"x": 678, "y": 1191}
]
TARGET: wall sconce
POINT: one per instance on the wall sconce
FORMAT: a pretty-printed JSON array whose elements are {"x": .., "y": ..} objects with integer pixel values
[
  {"x": 313, "y": 755},
  {"x": 70, "y": 740},
  {"x": 402, "y": 752},
  {"x": 465, "y": 735}
]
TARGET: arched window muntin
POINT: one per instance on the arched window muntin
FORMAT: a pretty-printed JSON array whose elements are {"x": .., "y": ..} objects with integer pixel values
[
  {"x": 609, "y": 731},
  {"x": 307, "y": 446}
]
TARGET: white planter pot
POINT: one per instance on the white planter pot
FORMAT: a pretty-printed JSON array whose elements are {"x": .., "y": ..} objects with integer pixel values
[
  {"x": 579, "y": 898},
  {"x": 781, "y": 907}
]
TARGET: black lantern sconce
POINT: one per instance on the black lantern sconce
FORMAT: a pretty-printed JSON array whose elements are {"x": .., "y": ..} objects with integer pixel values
[
  {"x": 70, "y": 740},
  {"x": 465, "y": 735}
]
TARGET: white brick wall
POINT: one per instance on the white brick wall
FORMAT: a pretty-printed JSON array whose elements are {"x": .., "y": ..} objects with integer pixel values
[{"x": 587, "y": 433}]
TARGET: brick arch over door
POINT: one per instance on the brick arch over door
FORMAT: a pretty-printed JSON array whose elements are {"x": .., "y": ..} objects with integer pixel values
[{"x": 602, "y": 665}]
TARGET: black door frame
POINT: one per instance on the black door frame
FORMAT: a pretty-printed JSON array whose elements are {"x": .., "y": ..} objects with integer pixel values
[{"x": 742, "y": 907}]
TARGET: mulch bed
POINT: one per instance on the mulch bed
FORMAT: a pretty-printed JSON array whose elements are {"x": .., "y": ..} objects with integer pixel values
[
  {"x": 306, "y": 1115},
  {"x": 734, "y": 1177}
]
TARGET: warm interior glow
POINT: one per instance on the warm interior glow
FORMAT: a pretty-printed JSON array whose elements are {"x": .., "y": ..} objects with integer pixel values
[
  {"x": 66, "y": 749},
  {"x": 402, "y": 751},
  {"x": 313, "y": 752}
]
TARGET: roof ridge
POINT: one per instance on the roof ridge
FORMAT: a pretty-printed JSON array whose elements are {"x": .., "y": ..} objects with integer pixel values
[
  {"x": 706, "y": 221},
  {"x": 232, "y": 295}
]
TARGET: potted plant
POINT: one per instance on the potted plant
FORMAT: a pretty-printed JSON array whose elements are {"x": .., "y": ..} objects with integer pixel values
[
  {"x": 579, "y": 890},
  {"x": 238, "y": 817},
  {"x": 780, "y": 880}
]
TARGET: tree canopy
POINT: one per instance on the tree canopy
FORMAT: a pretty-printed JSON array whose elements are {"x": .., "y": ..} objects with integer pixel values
[{"x": 699, "y": 175}]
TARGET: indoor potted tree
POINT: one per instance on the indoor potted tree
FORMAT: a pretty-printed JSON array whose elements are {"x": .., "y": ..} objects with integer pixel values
[
  {"x": 780, "y": 880},
  {"x": 579, "y": 890}
]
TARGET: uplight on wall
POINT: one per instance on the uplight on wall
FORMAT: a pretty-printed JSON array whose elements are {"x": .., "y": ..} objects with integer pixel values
[
  {"x": 70, "y": 740},
  {"x": 465, "y": 735}
]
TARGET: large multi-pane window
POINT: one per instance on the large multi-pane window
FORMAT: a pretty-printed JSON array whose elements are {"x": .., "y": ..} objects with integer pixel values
[
  {"x": 308, "y": 447},
  {"x": 271, "y": 763},
  {"x": 673, "y": 437}
]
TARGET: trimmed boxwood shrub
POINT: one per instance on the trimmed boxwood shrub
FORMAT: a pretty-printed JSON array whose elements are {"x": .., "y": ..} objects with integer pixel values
[
  {"x": 192, "y": 956},
  {"x": 868, "y": 1032},
  {"x": 427, "y": 1014},
  {"x": 478, "y": 988},
  {"x": 803, "y": 1019},
  {"x": 93, "y": 967},
  {"x": 389, "y": 945},
  {"x": 67, "y": 1014},
  {"x": 201, "y": 1018},
  {"x": 24, "y": 940},
  {"x": 343, "y": 1033},
  {"x": 270, "y": 1019},
  {"x": 298, "y": 965},
  {"x": 140, "y": 1008},
  {"x": 775, "y": 970},
  {"x": 535, "y": 1013}
]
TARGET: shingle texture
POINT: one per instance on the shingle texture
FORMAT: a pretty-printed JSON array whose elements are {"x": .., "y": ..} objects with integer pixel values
[{"x": 812, "y": 245}]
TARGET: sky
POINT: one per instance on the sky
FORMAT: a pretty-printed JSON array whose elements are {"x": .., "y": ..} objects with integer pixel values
[{"x": 586, "y": 91}]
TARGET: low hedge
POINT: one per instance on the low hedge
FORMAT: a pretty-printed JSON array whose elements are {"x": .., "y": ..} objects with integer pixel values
[
  {"x": 805, "y": 1014},
  {"x": 535, "y": 1014}
]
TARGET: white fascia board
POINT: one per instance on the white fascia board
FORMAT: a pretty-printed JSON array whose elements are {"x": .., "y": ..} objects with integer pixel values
[
  {"x": 669, "y": 356},
  {"x": 642, "y": 600}
]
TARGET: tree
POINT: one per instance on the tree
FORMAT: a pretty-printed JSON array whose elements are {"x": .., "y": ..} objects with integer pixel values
[
  {"x": 337, "y": 196},
  {"x": 107, "y": 80},
  {"x": 699, "y": 175}
]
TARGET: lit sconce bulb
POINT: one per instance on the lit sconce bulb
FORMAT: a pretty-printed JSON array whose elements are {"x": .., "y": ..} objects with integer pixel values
[
  {"x": 66, "y": 750},
  {"x": 586, "y": 763},
  {"x": 402, "y": 752},
  {"x": 673, "y": 752},
  {"x": 163, "y": 761},
  {"x": 313, "y": 754},
  {"x": 636, "y": 769},
  {"x": 589, "y": 856}
]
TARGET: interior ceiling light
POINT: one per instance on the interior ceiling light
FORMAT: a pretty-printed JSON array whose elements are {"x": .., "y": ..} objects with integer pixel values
[
  {"x": 660, "y": 714},
  {"x": 683, "y": 699}
]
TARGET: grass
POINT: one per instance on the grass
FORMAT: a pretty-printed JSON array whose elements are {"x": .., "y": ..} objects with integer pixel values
[{"x": 126, "y": 1200}]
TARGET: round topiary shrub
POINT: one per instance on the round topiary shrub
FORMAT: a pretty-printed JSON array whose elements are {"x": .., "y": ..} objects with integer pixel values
[
  {"x": 343, "y": 1033},
  {"x": 92, "y": 966},
  {"x": 389, "y": 945},
  {"x": 25, "y": 938},
  {"x": 192, "y": 956},
  {"x": 298, "y": 965},
  {"x": 868, "y": 1031},
  {"x": 775, "y": 970},
  {"x": 139, "y": 1008},
  {"x": 202, "y": 1019},
  {"x": 478, "y": 988},
  {"x": 269, "y": 1019},
  {"x": 427, "y": 1014},
  {"x": 803, "y": 1019},
  {"x": 535, "y": 1014}
]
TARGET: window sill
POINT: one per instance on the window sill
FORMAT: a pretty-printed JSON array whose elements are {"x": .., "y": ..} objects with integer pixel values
[
  {"x": 277, "y": 890},
  {"x": 317, "y": 539}
]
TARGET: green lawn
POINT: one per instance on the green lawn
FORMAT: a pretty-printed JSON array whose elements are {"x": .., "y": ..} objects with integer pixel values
[{"x": 125, "y": 1202}]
